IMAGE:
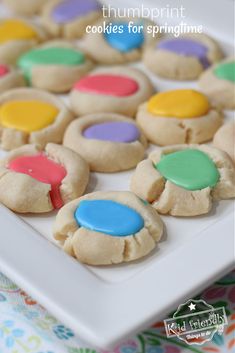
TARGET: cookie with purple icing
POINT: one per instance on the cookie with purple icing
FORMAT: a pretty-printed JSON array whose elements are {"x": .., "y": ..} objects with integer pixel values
[
  {"x": 182, "y": 58},
  {"x": 69, "y": 18},
  {"x": 108, "y": 142}
]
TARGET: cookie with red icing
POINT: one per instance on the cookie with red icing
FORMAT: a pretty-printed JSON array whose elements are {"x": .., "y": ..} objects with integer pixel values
[
  {"x": 10, "y": 78},
  {"x": 114, "y": 89},
  {"x": 39, "y": 180}
]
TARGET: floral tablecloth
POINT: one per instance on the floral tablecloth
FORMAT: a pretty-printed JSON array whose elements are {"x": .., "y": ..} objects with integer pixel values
[{"x": 26, "y": 327}]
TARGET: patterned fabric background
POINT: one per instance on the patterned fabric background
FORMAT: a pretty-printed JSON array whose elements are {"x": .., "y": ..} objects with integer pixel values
[{"x": 26, "y": 327}]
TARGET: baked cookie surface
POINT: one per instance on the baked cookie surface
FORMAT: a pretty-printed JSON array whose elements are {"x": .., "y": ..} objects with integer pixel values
[
  {"x": 36, "y": 180},
  {"x": 25, "y": 7},
  {"x": 224, "y": 139},
  {"x": 54, "y": 66},
  {"x": 108, "y": 142},
  {"x": 182, "y": 58},
  {"x": 178, "y": 116},
  {"x": 10, "y": 78},
  {"x": 183, "y": 180},
  {"x": 115, "y": 89},
  {"x": 28, "y": 115},
  {"x": 218, "y": 83},
  {"x": 92, "y": 230}
]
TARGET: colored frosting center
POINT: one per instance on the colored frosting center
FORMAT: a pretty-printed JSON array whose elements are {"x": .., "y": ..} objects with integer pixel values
[
  {"x": 190, "y": 169},
  {"x": 44, "y": 170},
  {"x": 182, "y": 103},
  {"x": 27, "y": 116},
  {"x": 49, "y": 56},
  {"x": 16, "y": 30},
  {"x": 124, "y": 40},
  {"x": 186, "y": 47},
  {"x": 109, "y": 217},
  {"x": 110, "y": 85},
  {"x": 3, "y": 70},
  {"x": 68, "y": 10},
  {"x": 226, "y": 71},
  {"x": 114, "y": 131}
]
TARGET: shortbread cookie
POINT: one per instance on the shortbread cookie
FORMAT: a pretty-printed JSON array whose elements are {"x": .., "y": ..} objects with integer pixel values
[
  {"x": 16, "y": 37},
  {"x": 25, "y": 7},
  {"x": 115, "y": 89},
  {"x": 123, "y": 41},
  {"x": 54, "y": 66},
  {"x": 224, "y": 139},
  {"x": 218, "y": 83},
  {"x": 183, "y": 180},
  {"x": 69, "y": 18},
  {"x": 28, "y": 115},
  {"x": 108, "y": 142},
  {"x": 178, "y": 116},
  {"x": 182, "y": 58},
  {"x": 104, "y": 228},
  {"x": 10, "y": 78},
  {"x": 36, "y": 180}
]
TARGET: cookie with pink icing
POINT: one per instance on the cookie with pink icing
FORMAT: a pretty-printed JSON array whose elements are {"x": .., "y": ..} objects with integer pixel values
[
  {"x": 114, "y": 89},
  {"x": 10, "y": 78},
  {"x": 182, "y": 58},
  {"x": 69, "y": 18},
  {"x": 39, "y": 180},
  {"x": 108, "y": 142}
]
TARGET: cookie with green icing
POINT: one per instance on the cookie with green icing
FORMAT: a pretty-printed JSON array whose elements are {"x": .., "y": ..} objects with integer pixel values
[
  {"x": 183, "y": 180},
  {"x": 219, "y": 83},
  {"x": 92, "y": 230},
  {"x": 55, "y": 66}
]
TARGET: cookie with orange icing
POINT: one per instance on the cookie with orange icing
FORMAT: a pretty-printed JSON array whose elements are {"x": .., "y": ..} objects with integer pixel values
[
  {"x": 108, "y": 142},
  {"x": 182, "y": 58},
  {"x": 16, "y": 37},
  {"x": 10, "y": 78},
  {"x": 36, "y": 180},
  {"x": 28, "y": 115},
  {"x": 54, "y": 66},
  {"x": 25, "y": 7},
  {"x": 184, "y": 180},
  {"x": 115, "y": 89},
  {"x": 218, "y": 83},
  {"x": 179, "y": 116}
]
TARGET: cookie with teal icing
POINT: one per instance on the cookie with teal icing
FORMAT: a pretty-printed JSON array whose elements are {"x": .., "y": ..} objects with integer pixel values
[
  {"x": 92, "y": 229},
  {"x": 218, "y": 83},
  {"x": 120, "y": 41},
  {"x": 182, "y": 58},
  {"x": 183, "y": 180},
  {"x": 54, "y": 66},
  {"x": 69, "y": 18}
]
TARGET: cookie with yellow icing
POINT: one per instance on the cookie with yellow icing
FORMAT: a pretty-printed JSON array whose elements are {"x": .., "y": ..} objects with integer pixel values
[
  {"x": 224, "y": 139},
  {"x": 108, "y": 142},
  {"x": 218, "y": 83},
  {"x": 16, "y": 37},
  {"x": 10, "y": 78},
  {"x": 183, "y": 180},
  {"x": 54, "y": 66},
  {"x": 178, "y": 116},
  {"x": 115, "y": 89},
  {"x": 28, "y": 115},
  {"x": 69, "y": 18},
  {"x": 182, "y": 58},
  {"x": 92, "y": 230},
  {"x": 125, "y": 41},
  {"x": 36, "y": 180},
  {"x": 25, "y": 7}
]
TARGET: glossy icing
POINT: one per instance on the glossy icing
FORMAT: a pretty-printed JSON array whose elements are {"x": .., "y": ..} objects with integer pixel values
[
  {"x": 109, "y": 217},
  {"x": 110, "y": 85},
  {"x": 225, "y": 71},
  {"x": 114, "y": 131},
  {"x": 190, "y": 169},
  {"x": 27, "y": 116},
  {"x": 181, "y": 103},
  {"x": 16, "y": 30},
  {"x": 44, "y": 170},
  {"x": 4, "y": 70}
]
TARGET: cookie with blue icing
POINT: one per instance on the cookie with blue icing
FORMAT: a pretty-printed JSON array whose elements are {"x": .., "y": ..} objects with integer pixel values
[
  {"x": 182, "y": 58},
  {"x": 119, "y": 41},
  {"x": 104, "y": 228}
]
